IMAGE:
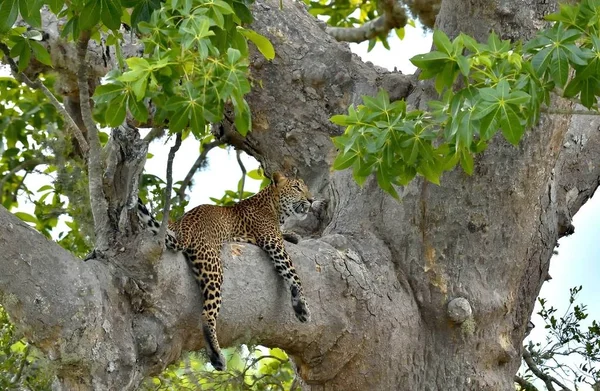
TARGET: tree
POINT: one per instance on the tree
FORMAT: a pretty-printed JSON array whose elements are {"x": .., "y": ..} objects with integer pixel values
[
  {"x": 568, "y": 358},
  {"x": 433, "y": 292}
]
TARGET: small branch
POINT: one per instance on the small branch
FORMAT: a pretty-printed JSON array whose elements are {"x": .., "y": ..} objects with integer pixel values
[
  {"x": 238, "y": 154},
  {"x": 547, "y": 379},
  {"x": 197, "y": 164},
  {"x": 394, "y": 16},
  {"x": 154, "y": 133},
  {"x": 37, "y": 84},
  {"x": 26, "y": 164},
  {"x": 98, "y": 201},
  {"x": 525, "y": 384},
  {"x": 165, "y": 220}
]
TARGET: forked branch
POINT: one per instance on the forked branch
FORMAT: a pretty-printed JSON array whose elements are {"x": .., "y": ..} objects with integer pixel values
[
  {"x": 548, "y": 380},
  {"x": 394, "y": 16}
]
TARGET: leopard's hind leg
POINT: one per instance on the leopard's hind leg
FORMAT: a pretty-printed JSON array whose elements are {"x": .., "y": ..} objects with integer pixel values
[{"x": 206, "y": 265}]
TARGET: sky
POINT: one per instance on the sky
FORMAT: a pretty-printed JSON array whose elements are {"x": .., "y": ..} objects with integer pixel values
[{"x": 577, "y": 259}]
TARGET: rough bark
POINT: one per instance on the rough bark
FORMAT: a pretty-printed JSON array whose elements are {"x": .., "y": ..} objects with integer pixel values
[{"x": 378, "y": 274}]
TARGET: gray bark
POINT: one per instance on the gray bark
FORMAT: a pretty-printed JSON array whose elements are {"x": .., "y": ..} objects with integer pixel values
[{"x": 378, "y": 274}]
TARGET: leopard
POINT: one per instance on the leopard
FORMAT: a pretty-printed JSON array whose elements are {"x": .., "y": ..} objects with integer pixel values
[{"x": 201, "y": 232}]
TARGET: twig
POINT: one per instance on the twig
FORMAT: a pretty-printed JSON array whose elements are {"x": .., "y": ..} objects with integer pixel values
[
  {"x": 394, "y": 16},
  {"x": 165, "y": 219},
  {"x": 154, "y": 133},
  {"x": 97, "y": 199},
  {"x": 197, "y": 164},
  {"x": 26, "y": 164},
  {"x": 547, "y": 379},
  {"x": 37, "y": 84},
  {"x": 238, "y": 154},
  {"x": 525, "y": 384}
]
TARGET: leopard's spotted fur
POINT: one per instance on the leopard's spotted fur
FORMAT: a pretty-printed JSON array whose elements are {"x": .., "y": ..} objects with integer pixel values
[{"x": 201, "y": 232}]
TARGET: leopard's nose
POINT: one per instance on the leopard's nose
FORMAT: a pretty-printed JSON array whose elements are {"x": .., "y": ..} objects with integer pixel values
[{"x": 311, "y": 200}]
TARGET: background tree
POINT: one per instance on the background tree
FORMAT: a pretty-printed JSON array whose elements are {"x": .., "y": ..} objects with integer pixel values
[{"x": 433, "y": 292}]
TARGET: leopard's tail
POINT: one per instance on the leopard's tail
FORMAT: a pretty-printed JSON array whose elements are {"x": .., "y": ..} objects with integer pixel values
[{"x": 148, "y": 222}]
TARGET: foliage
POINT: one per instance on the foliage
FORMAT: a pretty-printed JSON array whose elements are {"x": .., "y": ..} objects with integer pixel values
[
  {"x": 483, "y": 87},
  {"x": 254, "y": 369},
  {"x": 571, "y": 351},
  {"x": 21, "y": 365},
  {"x": 32, "y": 144}
]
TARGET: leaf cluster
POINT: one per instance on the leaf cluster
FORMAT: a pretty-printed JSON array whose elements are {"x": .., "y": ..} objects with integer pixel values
[
  {"x": 21, "y": 365},
  {"x": 247, "y": 369},
  {"x": 484, "y": 88},
  {"x": 195, "y": 62}
]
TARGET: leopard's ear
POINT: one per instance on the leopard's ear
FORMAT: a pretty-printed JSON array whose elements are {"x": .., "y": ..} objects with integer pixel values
[{"x": 279, "y": 179}]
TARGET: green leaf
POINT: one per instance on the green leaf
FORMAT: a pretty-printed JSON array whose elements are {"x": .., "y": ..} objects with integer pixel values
[
  {"x": 424, "y": 61},
  {"x": 463, "y": 65},
  {"x": 384, "y": 182},
  {"x": 106, "y": 92},
  {"x": 24, "y": 57},
  {"x": 441, "y": 41},
  {"x": 137, "y": 108},
  {"x": 344, "y": 160},
  {"x": 560, "y": 68},
  {"x": 243, "y": 121},
  {"x": 466, "y": 161},
  {"x": 44, "y": 188},
  {"x": 40, "y": 53},
  {"x": 30, "y": 12},
  {"x": 9, "y": 10},
  {"x": 197, "y": 122},
  {"x": 400, "y": 33},
  {"x": 90, "y": 15},
  {"x": 111, "y": 14},
  {"x": 179, "y": 120},
  {"x": 115, "y": 112},
  {"x": 261, "y": 42},
  {"x": 55, "y": 5},
  {"x": 256, "y": 174},
  {"x": 541, "y": 60},
  {"x": 512, "y": 129},
  {"x": 26, "y": 217},
  {"x": 242, "y": 12}
]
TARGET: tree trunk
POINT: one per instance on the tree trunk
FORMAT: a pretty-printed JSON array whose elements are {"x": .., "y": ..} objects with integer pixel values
[{"x": 380, "y": 275}]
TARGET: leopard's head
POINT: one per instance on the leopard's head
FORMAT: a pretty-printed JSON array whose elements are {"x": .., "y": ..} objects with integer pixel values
[{"x": 294, "y": 197}]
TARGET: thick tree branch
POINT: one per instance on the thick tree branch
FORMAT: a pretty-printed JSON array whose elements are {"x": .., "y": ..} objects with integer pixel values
[
  {"x": 98, "y": 202},
  {"x": 165, "y": 219},
  {"x": 65, "y": 306},
  {"x": 197, "y": 164},
  {"x": 37, "y": 84},
  {"x": 394, "y": 16}
]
